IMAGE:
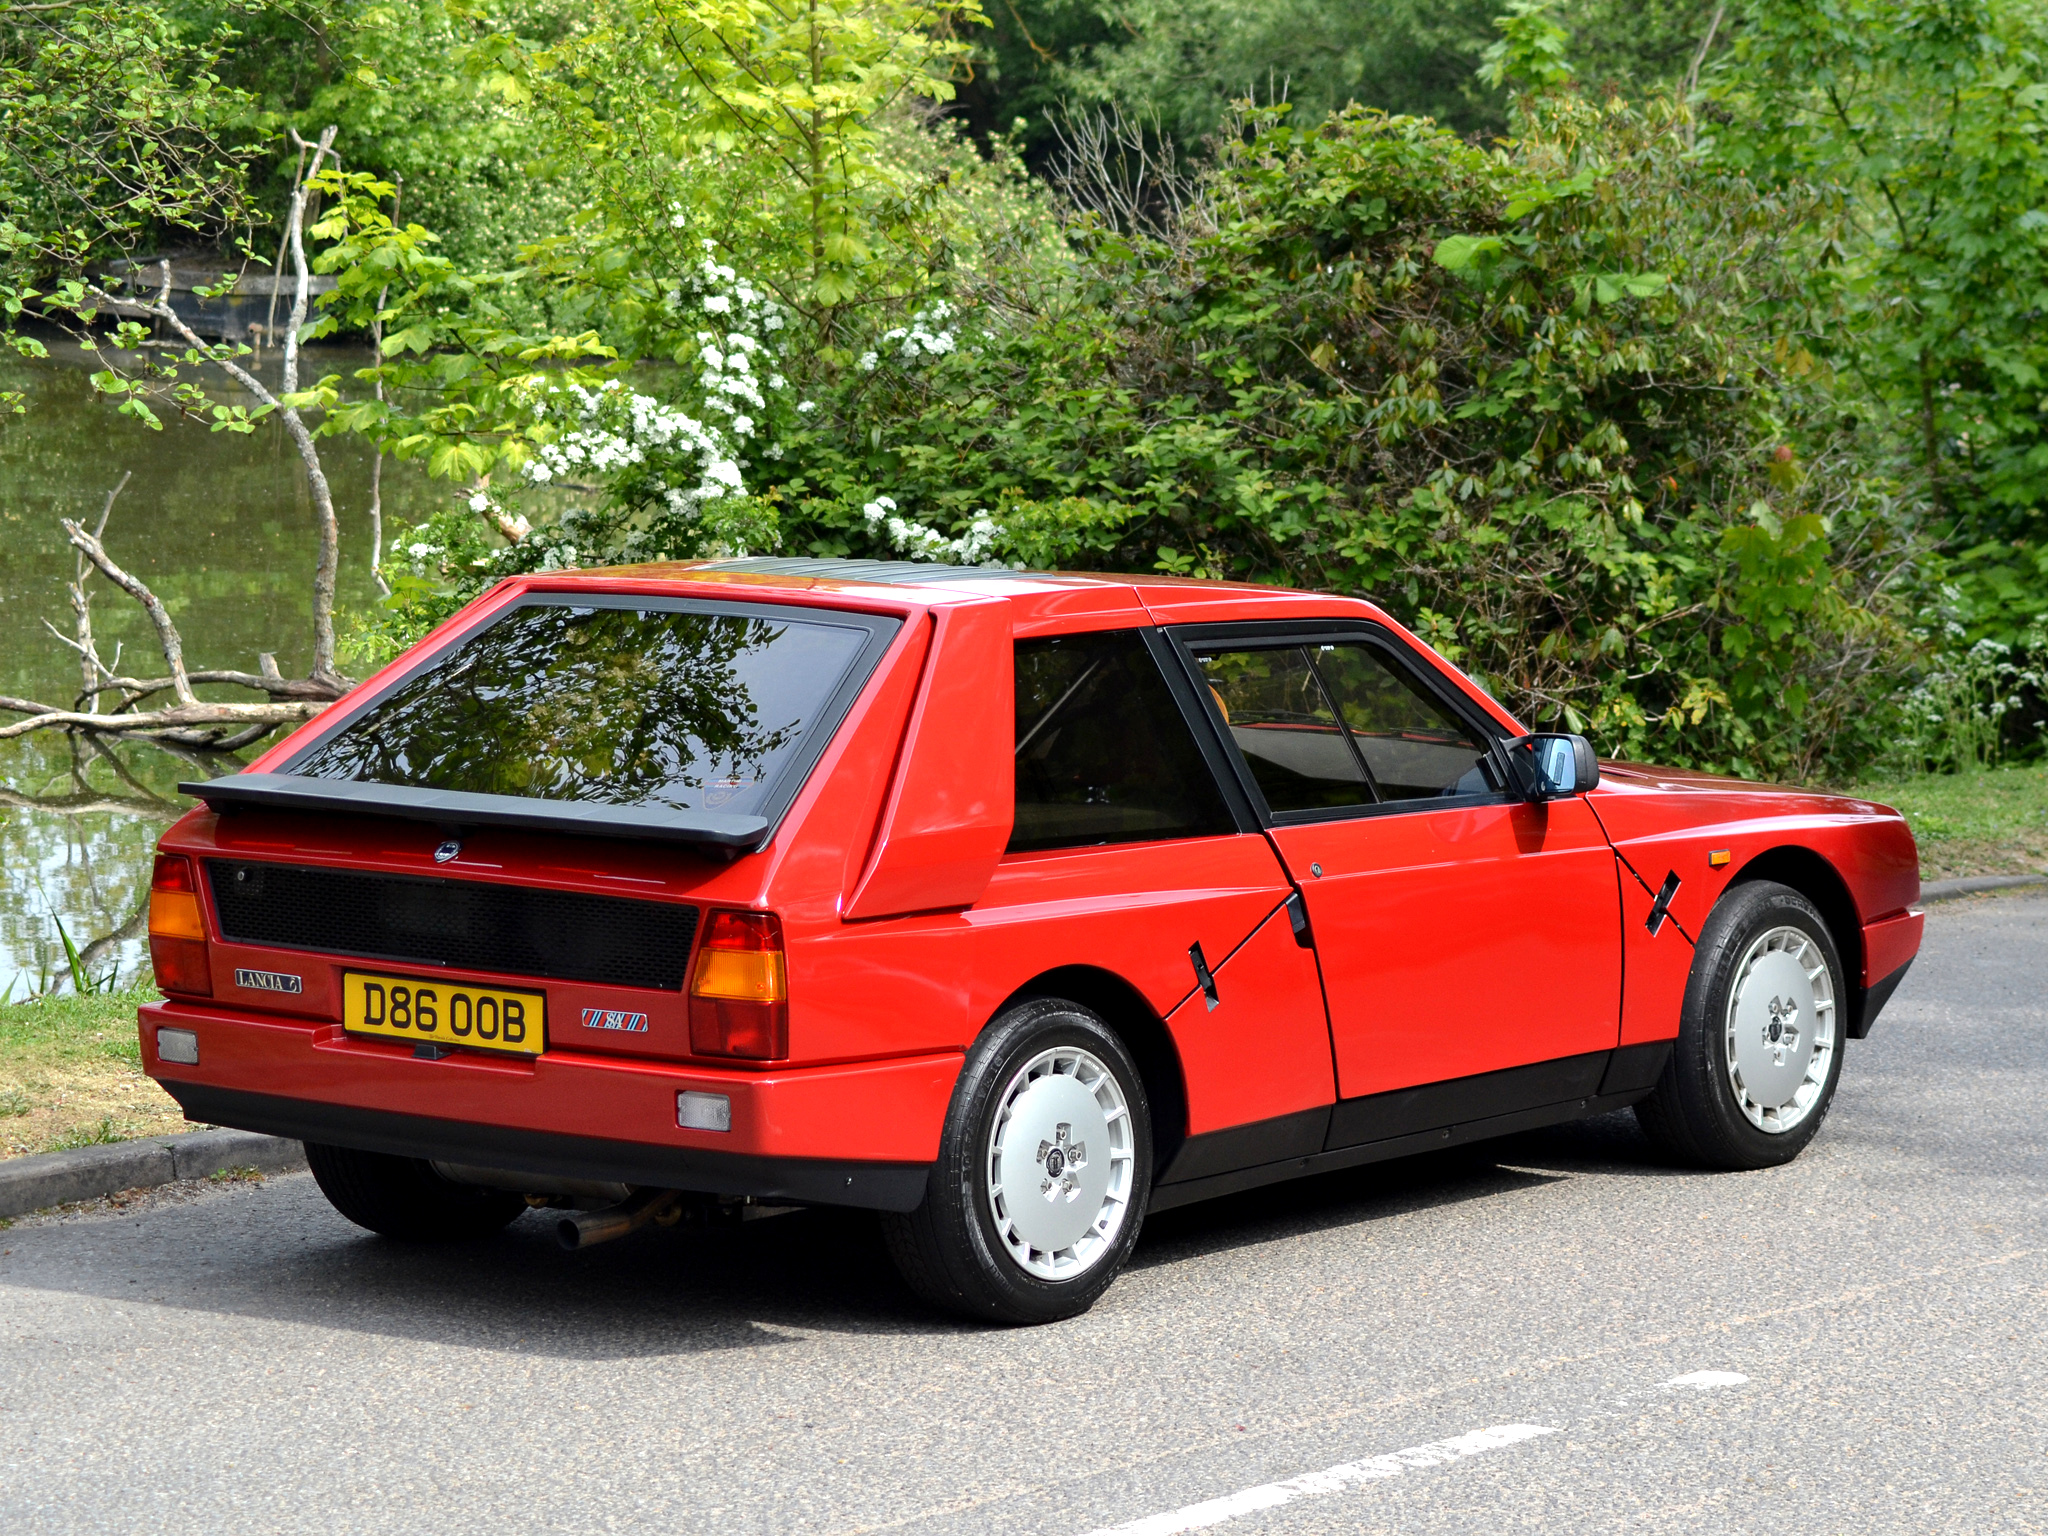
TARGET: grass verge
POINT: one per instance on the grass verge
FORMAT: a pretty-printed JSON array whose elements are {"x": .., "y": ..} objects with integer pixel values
[
  {"x": 71, "y": 1075},
  {"x": 1993, "y": 822}
]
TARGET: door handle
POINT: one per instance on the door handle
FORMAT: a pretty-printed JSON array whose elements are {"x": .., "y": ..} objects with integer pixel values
[
  {"x": 1203, "y": 975},
  {"x": 1297, "y": 918}
]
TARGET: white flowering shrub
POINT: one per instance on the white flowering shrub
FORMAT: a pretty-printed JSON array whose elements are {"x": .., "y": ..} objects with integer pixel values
[
  {"x": 973, "y": 547},
  {"x": 926, "y": 336}
]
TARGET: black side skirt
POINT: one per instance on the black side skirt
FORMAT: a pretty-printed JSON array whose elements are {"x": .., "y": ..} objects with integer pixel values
[
  {"x": 871, "y": 1186},
  {"x": 1380, "y": 1126},
  {"x": 1874, "y": 999}
]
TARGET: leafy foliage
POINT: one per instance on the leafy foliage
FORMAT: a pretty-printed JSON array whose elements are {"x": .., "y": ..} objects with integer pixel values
[
  {"x": 1925, "y": 127},
  {"x": 1531, "y": 399}
]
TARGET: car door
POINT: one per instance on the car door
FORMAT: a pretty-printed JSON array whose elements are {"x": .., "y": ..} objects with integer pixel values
[
  {"x": 1135, "y": 857},
  {"x": 1462, "y": 932}
]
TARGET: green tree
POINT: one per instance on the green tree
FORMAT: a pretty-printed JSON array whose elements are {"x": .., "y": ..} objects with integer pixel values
[{"x": 1926, "y": 125}]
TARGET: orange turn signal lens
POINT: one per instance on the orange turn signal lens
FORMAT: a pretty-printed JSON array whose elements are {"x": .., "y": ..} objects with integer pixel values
[
  {"x": 739, "y": 992},
  {"x": 741, "y": 959},
  {"x": 1719, "y": 858},
  {"x": 174, "y": 900},
  {"x": 177, "y": 928}
]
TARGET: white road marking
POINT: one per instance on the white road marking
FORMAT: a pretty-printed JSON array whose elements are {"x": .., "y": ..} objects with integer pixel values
[
  {"x": 1437, "y": 1453},
  {"x": 1707, "y": 1381}
]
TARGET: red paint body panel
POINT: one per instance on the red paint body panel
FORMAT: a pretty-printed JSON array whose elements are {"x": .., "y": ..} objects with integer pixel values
[
  {"x": 1890, "y": 944},
  {"x": 1449, "y": 941},
  {"x": 1264, "y": 1049},
  {"x": 953, "y": 801},
  {"x": 1461, "y": 941},
  {"x": 1130, "y": 911},
  {"x": 1663, "y": 822}
]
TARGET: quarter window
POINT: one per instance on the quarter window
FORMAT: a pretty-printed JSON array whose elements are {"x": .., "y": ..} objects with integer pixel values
[{"x": 1103, "y": 752}]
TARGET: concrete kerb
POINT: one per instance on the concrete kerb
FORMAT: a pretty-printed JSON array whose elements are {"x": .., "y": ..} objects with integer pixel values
[
  {"x": 90, "y": 1173},
  {"x": 1974, "y": 885}
]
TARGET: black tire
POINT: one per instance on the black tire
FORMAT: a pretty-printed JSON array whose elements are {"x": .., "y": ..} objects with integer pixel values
[
  {"x": 1693, "y": 1115},
  {"x": 403, "y": 1197},
  {"x": 950, "y": 1250}
]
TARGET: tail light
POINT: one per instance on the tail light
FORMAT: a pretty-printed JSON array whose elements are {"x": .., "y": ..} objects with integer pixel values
[
  {"x": 739, "y": 994},
  {"x": 177, "y": 928}
]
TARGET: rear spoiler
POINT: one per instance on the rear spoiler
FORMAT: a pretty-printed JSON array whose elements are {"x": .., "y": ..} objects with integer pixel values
[{"x": 456, "y": 809}]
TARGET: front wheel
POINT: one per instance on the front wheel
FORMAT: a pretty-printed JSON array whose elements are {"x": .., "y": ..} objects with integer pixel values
[
  {"x": 1759, "y": 1048},
  {"x": 1043, "y": 1172}
]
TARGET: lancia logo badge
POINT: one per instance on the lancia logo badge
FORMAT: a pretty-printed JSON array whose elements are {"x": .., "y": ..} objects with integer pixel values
[
  {"x": 269, "y": 981},
  {"x": 1782, "y": 1033},
  {"x": 447, "y": 851},
  {"x": 1061, "y": 1158}
]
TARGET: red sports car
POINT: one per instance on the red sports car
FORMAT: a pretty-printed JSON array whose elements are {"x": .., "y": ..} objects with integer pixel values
[{"x": 1012, "y": 906}]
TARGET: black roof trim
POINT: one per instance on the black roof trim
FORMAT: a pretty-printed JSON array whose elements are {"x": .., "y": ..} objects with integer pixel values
[
  {"x": 888, "y": 573},
  {"x": 456, "y": 808}
]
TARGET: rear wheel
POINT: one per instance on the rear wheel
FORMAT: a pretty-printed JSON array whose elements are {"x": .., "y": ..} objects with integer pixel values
[
  {"x": 1043, "y": 1172},
  {"x": 1759, "y": 1047},
  {"x": 403, "y": 1197}
]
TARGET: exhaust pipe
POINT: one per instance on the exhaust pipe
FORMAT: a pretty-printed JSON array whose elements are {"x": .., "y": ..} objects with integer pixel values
[{"x": 583, "y": 1228}]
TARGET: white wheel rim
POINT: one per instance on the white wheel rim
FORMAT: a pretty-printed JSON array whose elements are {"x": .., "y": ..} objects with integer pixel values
[
  {"x": 1780, "y": 1036},
  {"x": 1060, "y": 1165}
]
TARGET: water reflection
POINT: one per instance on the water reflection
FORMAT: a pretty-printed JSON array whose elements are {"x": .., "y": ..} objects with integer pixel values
[{"x": 221, "y": 526}]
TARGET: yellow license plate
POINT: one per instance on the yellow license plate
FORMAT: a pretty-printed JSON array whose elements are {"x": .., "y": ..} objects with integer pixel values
[{"x": 438, "y": 1013}]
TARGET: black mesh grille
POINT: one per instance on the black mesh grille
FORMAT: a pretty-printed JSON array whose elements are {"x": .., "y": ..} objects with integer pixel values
[{"x": 510, "y": 929}]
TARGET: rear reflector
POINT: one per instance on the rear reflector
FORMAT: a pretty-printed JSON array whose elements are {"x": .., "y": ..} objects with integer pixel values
[
  {"x": 703, "y": 1111},
  {"x": 177, "y": 929},
  {"x": 179, "y": 1045},
  {"x": 739, "y": 995}
]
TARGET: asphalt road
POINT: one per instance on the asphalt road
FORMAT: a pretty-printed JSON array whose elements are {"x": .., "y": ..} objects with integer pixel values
[{"x": 1871, "y": 1322}]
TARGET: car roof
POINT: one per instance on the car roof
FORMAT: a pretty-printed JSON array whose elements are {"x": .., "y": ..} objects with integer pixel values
[{"x": 1043, "y": 602}]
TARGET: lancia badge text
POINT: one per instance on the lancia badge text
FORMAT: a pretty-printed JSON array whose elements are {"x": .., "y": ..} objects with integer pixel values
[{"x": 269, "y": 981}]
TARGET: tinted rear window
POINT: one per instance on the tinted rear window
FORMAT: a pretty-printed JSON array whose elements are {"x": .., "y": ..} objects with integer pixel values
[
  {"x": 614, "y": 705},
  {"x": 1103, "y": 752}
]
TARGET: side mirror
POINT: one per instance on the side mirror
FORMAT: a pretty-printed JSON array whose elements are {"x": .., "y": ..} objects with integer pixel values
[{"x": 1551, "y": 767}]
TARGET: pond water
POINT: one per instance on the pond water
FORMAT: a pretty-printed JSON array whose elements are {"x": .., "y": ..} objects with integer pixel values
[{"x": 221, "y": 527}]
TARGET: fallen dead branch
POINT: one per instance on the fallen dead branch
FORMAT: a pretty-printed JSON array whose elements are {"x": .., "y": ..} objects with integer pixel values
[{"x": 190, "y": 721}]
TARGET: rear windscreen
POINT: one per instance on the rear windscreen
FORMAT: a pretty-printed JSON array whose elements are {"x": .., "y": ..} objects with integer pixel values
[{"x": 613, "y": 705}]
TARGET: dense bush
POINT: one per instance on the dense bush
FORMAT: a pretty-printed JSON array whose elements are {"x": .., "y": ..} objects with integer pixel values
[{"x": 1546, "y": 402}]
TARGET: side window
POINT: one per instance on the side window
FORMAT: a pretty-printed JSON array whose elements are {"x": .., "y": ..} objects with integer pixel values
[
  {"x": 1413, "y": 746},
  {"x": 1283, "y": 722},
  {"x": 1103, "y": 754},
  {"x": 1329, "y": 726}
]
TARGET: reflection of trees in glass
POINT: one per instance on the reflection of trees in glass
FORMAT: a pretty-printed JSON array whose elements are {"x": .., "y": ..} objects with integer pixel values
[
  {"x": 1267, "y": 687},
  {"x": 612, "y": 705},
  {"x": 1376, "y": 701}
]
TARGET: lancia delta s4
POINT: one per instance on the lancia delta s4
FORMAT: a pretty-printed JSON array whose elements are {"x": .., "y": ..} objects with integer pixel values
[{"x": 1010, "y": 906}]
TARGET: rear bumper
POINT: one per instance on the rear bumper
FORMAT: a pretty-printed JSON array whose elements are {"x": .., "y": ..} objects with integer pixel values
[{"x": 860, "y": 1135}]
